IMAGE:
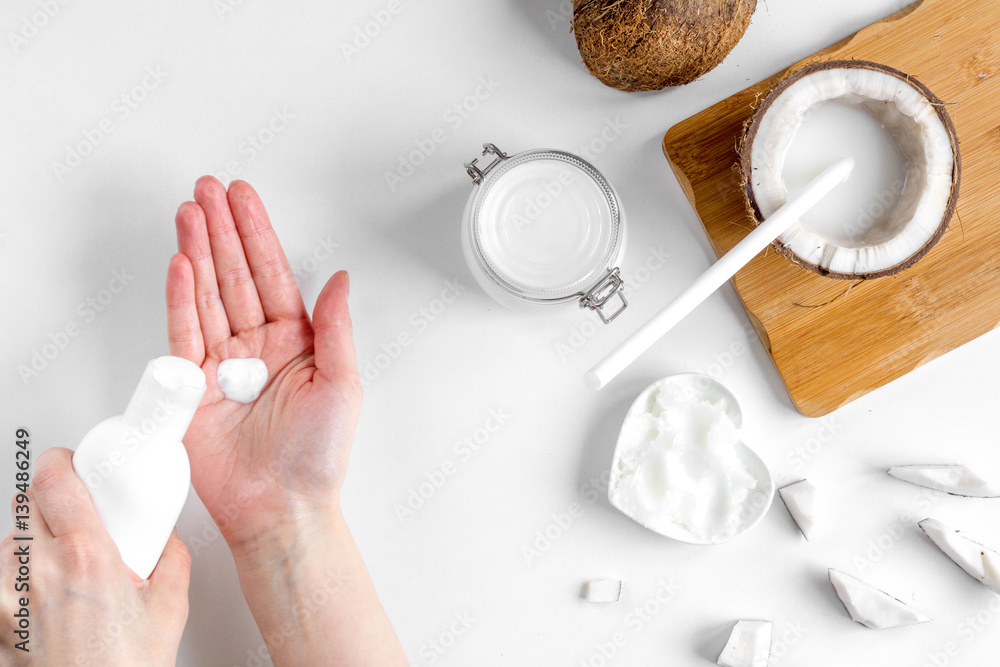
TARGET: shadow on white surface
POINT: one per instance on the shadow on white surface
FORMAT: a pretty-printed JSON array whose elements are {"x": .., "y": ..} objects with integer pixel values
[
  {"x": 431, "y": 235},
  {"x": 713, "y": 641},
  {"x": 597, "y": 451},
  {"x": 552, "y": 25},
  {"x": 220, "y": 628},
  {"x": 821, "y": 592}
]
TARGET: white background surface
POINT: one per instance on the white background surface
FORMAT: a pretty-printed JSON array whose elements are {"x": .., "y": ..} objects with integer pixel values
[{"x": 227, "y": 73}]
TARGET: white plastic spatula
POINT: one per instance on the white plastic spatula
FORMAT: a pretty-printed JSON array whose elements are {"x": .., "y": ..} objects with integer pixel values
[{"x": 717, "y": 274}]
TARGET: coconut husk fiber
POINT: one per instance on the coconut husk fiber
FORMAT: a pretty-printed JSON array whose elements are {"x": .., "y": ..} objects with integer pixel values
[{"x": 637, "y": 45}]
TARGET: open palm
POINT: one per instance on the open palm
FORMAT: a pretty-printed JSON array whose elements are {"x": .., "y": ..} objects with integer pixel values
[{"x": 231, "y": 294}]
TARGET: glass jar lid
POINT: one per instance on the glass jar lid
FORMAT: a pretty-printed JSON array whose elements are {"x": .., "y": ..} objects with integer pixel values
[{"x": 546, "y": 226}]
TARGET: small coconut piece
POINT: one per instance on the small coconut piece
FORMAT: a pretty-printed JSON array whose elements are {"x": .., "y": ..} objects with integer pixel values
[
  {"x": 957, "y": 480},
  {"x": 991, "y": 569},
  {"x": 968, "y": 554},
  {"x": 871, "y": 607},
  {"x": 650, "y": 44},
  {"x": 603, "y": 590},
  {"x": 925, "y": 134},
  {"x": 749, "y": 645},
  {"x": 800, "y": 501}
]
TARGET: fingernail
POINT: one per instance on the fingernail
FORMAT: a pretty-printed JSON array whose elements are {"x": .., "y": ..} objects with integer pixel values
[{"x": 347, "y": 285}]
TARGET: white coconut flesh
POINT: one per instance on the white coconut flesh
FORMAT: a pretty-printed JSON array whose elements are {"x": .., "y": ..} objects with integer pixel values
[
  {"x": 978, "y": 561},
  {"x": 871, "y": 607},
  {"x": 957, "y": 480},
  {"x": 749, "y": 645},
  {"x": 800, "y": 501},
  {"x": 991, "y": 569},
  {"x": 922, "y": 206},
  {"x": 603, "y": 590}
]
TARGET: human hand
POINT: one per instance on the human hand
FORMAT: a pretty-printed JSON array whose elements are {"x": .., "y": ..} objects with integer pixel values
[
  {"x": 270, "y": 471},
  {"x": 85, "y": 606},
  {"x": 280, "y": 460}
]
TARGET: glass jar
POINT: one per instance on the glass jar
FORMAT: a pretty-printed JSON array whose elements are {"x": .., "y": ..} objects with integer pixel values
[{"x": 544, "y": 227}]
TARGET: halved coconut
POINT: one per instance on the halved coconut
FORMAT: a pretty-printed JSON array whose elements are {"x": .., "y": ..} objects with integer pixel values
[{"x": 927, "y": 189}]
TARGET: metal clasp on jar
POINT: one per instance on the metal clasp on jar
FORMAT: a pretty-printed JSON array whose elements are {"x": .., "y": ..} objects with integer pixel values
[
  {"x": 479, "y": 175},
  {"x": 611, "y": 285}
]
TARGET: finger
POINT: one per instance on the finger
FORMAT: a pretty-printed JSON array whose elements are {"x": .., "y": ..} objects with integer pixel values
[
  {"x": 336, "y": 359},
  {"x": 37, "y": 528},
  {"x": 183, "y": 327},
  {"x": 239, "y": 295},
  {"x": 9, "y": 567},
  {"x": 192, "y": 240},
  {"x": 276, "y": 286},
  {"x": 16, "y": 543},
  {"x": 37, "y": 525},
  {"x": 172, "y": 574},
  {"x": 61, "y": 498}
]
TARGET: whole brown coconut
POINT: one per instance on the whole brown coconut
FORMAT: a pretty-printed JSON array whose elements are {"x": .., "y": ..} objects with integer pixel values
[{"x": 650, "y": 44}]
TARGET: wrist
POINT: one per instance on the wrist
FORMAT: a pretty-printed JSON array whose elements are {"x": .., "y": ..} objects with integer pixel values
[
  {"x": 289, "y": 575},
  {"x": 286, "y": 536},
  {"x": 312, "y": 599}
]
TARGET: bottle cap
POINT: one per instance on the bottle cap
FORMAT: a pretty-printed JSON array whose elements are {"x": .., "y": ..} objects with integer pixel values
[{"x": 166, "y": 399}]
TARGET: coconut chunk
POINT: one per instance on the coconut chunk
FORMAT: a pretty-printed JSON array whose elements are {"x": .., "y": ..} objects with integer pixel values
[
  {"x": 968, "y": 554},
  {"x": 749, "y": 645},
  {"x": 603, "y": 590},
  {"x": 871, "y": 607},
  {"x": 991, "y": 569},
  {"x": 800, "y": 501},
  {"x": 957, "y": 480}
]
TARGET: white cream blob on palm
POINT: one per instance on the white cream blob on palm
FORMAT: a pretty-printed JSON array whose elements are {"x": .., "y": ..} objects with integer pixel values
[
  {"x": 242, "y": 380},
  {"x": 680, "y": 468},
  {"x": 904, "y": 188}
]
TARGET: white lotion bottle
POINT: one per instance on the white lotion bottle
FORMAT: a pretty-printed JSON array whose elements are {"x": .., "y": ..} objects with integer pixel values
[{"x": 135, "y": 465}]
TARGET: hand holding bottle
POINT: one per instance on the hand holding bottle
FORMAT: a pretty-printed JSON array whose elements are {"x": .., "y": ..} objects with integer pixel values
[{"x": 86, "y": 606}]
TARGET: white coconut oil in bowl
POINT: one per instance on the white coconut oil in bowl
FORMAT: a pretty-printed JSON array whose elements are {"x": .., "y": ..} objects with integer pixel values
[{"x": 681, "y": 468}]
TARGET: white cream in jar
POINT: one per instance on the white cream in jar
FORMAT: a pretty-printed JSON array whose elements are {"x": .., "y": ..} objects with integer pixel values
[{"x": 544, "y": 227}]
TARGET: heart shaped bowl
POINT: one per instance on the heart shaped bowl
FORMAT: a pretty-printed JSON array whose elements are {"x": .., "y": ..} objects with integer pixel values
[{"x": 681, "y": 468}]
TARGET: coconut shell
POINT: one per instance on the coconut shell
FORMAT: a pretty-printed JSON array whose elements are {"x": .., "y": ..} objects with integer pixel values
[
  {"x": 753, "y": 124},
  {"x": 650, "y": 44}
]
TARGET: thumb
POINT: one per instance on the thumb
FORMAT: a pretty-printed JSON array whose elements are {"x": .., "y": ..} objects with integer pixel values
[
  {"x": 171, "y": 576},
  {"x": 336, "y": 359}
]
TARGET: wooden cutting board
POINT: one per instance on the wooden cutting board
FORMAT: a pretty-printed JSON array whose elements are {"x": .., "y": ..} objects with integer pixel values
[{"x": 879, "y": 330}]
